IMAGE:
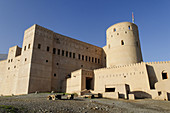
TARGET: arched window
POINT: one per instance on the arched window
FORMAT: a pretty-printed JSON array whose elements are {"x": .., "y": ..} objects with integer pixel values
[{"x": 114, "y": 29}]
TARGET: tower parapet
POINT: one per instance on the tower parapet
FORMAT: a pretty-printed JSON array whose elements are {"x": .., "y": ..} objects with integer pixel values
[{"x": 123, "y": 44}]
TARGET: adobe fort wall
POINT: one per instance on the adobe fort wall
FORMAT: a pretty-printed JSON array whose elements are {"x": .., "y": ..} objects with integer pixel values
[{"x": 128, "y": 74}]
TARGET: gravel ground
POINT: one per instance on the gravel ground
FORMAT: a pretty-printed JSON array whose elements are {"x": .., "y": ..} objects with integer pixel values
[{"x": 37, "y": 103}]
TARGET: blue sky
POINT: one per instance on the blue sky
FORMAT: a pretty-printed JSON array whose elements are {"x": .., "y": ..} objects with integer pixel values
[{"x": 87, "y": 20}]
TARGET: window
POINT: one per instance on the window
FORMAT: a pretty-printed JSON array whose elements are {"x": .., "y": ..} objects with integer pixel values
[
  {"x": 62, "y": 52},
  {"x": 57, "y": 64},
  {"x": 159, "y": 93},
  {"x": 114, "y": 29},
  {"x": 11, "y": 60},
  {"x": 81, "y": 65},
  {"x": 117, "y": 33},
  {"x": 89, "y": 59},
  {"x": 74, "y": 55},
  {"x": 79, "y": 56},
  {"x": 98, "y": 61},
  {"x": 86, "y": 58},
  {"x": 92, "y": 59},
  {"x": 28, "y": 46},
  {"x": 122, "y": 42},
  {"x": 66, "y": 53},
  {"x": 129, "y": 27},
  {"x": 82, "y": 57},
  {"x": 111, "y": 35},
  {"x": 39, "y": 46},
  {"x": 48, "y": 48},
  {"x": 95, "y": 60},
  {"x": 46, "y": 60},
  {"x": 164, "y": 75},
  {"x": 125, "y": 32},
  {"x": 24, "y": 48},
  {"x": 25, "y": 59},
  {"x": 70, "y": 54},
  {"x": 58, "y": 51},
  {"x": 8, "y": 61},
  {"x": 8, "y": 68},
  {"x": 109, "y": 89},
  {"x": 54, "y": 50},
  {"x": 14, "y": 66},
  {"x": 54, "y": 74}
]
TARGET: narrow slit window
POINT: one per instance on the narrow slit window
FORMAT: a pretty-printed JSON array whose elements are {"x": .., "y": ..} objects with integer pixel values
[
  {"x": 74, "y": 55},
  {"x": 129, "y": 27},
  {"x": 70, "y": 54},
  {"x": 29, "y": 46},
  {"x": 122, "y": 42},
  {"x": 79, "y": 56},
  {"x": 24, "y": 48},
  {"x": 62, "y": 52},
  {"x": 54, "y": 50},
  {"x": 39, "y": 46},
  {"x": 58, "y": 51},
  {"x": 82, "y": 57},
  {"x": 66, "y": 53},
  {"x": 48, "y": 48}
]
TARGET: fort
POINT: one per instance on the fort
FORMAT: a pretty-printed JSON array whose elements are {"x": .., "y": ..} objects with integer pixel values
[{"x": 49, "y": 61}]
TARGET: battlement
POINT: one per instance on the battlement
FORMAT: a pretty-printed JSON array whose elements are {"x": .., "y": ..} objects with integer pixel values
[{"x": 159, "y": 62}]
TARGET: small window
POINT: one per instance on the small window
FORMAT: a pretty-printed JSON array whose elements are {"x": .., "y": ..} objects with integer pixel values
[
  {"x": 11, "y": 60},
  {"x": 70, "y": 54},
  {"x": 79, "y": 56},
  {"x": 95, "y": 60},
  {"x": 8, "y": 61},
  {"x": 62, "y": 52},
  {"x": 25, "y": 48},
  {"x": 89, "y": 59},
  {"x": 8, "y": 68},
  {"x": 46, "y": 60},
  {"x": 25, "y": 59},
  {"x": 48, "y": 48},
  {"x": 159, "y": 93},
  {"x": 39, "y": 46},
  {"x": 122, "y": 42},
  {"x": 82, "y": 57},
  {"x": 58, "y": 51},
  {"x": 98, "y": 61},
  {"x": 111, "y": 35},
  {"x": 66, "y": 53},
  {"x": 164, "y": 75},
  {"x": 114, "y": 29},
  {"x": 109, "y": 89},
  {"x": 74, "y": 55},
  {"x": 81, "y": 65},
  {"x": 129, "y": 27},
  {"x": 57, "y": 64},
  {"x": 117, "y": 33},
  {"x": 29, "y": 46},
  {"x": 125, "y": 32},
  {"x": 14, "y": 66},
  {"x": 92, "y": 59},
  {"x": 54, "y": 74},
  {"x": 86, "y": 58},
  {"x": 54, "y": 50}
]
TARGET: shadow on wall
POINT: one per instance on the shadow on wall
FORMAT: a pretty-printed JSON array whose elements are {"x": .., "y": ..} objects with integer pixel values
[
  {"x": 141, "y": 95},
  {"x": 152, "y": 76},
  {"x": 168, "y": 96}
]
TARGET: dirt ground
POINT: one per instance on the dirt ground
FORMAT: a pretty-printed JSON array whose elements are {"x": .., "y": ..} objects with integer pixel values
[{"x": 37, "y": 103}]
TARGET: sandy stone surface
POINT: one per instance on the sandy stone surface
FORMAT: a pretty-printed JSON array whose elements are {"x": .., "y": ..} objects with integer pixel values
[{"x": 37, "y": 103}]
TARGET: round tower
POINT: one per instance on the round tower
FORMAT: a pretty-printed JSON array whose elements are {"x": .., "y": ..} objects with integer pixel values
[{"x": 123, "y": 45}]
